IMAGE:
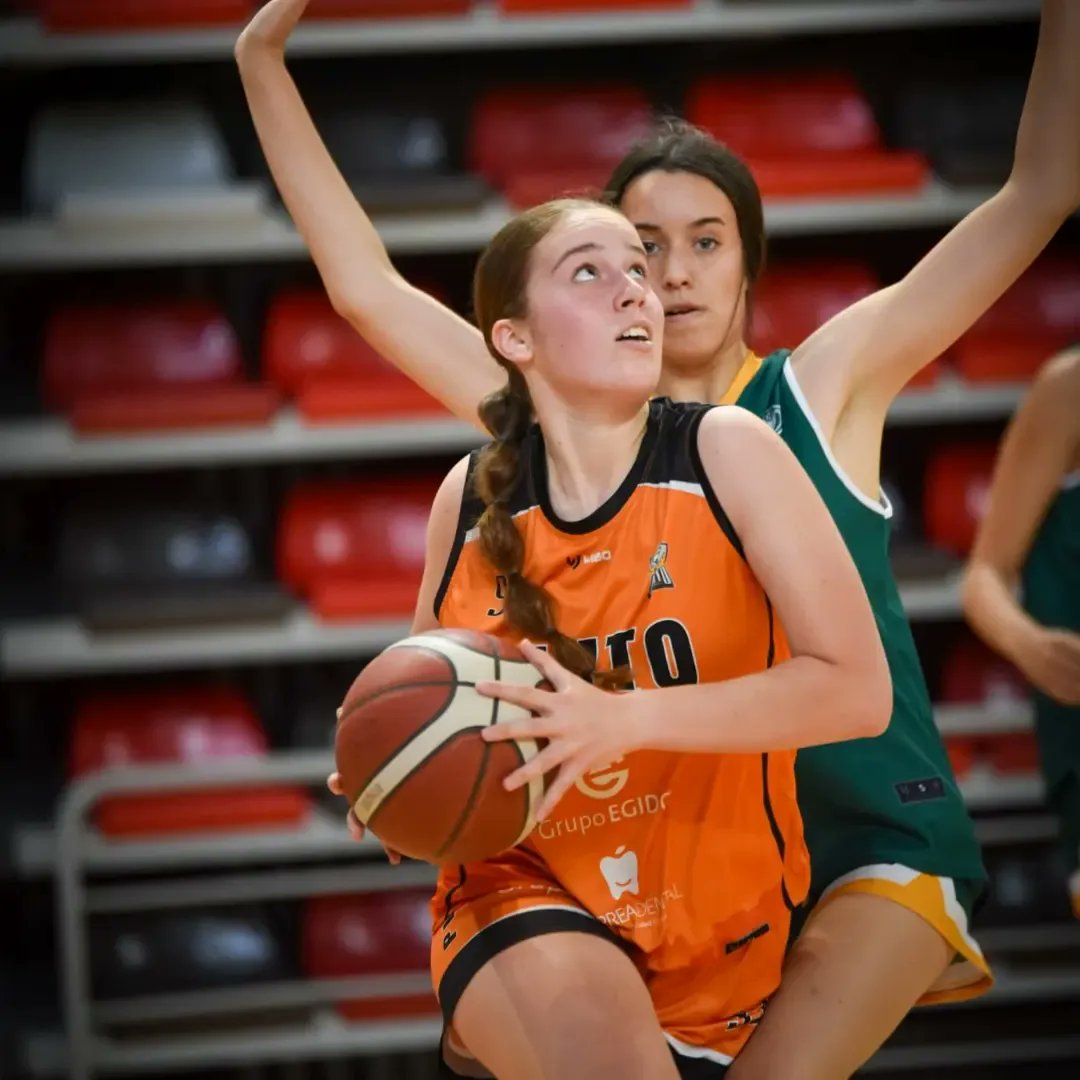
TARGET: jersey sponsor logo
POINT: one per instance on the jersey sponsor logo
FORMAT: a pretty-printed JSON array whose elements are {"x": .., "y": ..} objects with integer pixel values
[
  {"x": 659, "y": 578},
  {"x": 620, "y": 872},
  {"x": 603, "y": 782},
  {"x": 613, "y": 814},
  {"x": 574, "y": 561},
  {"x": 924, "y": 790},
  {"x": 774, "y": 418}
]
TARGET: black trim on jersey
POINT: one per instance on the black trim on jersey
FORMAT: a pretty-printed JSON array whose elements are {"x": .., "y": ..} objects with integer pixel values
[
  {"x": 778, "y": 835},
  {"x": 468, "y": 515},
  {"x": 702, "y": 477},
  {"x": 617, "y": 500},
  {"x": 487, "y": 943}
]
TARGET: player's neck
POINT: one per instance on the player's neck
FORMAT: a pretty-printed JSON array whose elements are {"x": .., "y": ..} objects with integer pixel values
[
  {"x": 707, "y": 382},
  {"x": 587, "y": 461}
]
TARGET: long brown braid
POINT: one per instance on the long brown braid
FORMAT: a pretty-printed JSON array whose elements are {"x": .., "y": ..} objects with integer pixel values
[{"x": 499, "y": 292}]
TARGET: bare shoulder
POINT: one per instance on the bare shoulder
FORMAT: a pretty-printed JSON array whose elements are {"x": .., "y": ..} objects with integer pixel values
[
  {"x": 452, "y": 488},
  {"x": 730, "y": 432},
  {"x": 1055, "y": 393}
]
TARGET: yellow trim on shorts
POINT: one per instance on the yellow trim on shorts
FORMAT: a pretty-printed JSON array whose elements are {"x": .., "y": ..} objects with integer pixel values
[{"x": 930, "y": 897}]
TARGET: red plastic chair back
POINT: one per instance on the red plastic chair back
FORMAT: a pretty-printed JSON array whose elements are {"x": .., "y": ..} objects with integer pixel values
[
  {"x": 316, "y": 357},
  {"x": 148, "y": 366},
  {"x": 955, "y": 494},
  {"x": 1036, "y": 318},
  {"x": 189, "y": 725},
  {"x": 793, "y": 300},
  {"x": 382, "y": 933},
  {"x": 356, "y": 549},
  {"x": 804, "y": 135},
  {"x": 384, "y": 9},
  {"x": 130, "y": 14},
  {"x": 537, "y": 142}
]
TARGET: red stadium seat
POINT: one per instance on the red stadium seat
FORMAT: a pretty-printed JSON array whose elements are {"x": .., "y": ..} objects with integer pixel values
[
  {"x": 382, "y": 933},
  {"x": 537, "y": 142},
  {"x": 188, "y": 725},
  {"x": 146, "y": 367},
  {"x": 793, "y": 300},
  {"x": 804, "y": 135},
  {"x": 963, "y": 753},
  {"x": 389, "y": 9},
  {"x": 974, "y": 674},
  {"x": 1014, "y": 753},
  {"x": 531, "y": 7},
  {"x": 315, "y": 356},
  {"x": 356, "y": 549},
  {"x": 139, "y": 14},
  {"x": 956, "y": 489},
  {"x": 1036, "y": 318}
]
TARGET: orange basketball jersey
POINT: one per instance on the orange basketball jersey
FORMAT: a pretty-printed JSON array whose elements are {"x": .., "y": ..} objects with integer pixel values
[{"x": 688, "y": 857}]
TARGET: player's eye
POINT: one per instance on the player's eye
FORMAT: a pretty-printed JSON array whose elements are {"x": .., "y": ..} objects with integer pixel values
[{"x": 586, "y": 272}]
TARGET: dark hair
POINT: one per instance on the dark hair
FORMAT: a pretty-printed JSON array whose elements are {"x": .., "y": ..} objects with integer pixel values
[
  {"x": 678, "y": 146},
  {"x": 499, "y": 292}
]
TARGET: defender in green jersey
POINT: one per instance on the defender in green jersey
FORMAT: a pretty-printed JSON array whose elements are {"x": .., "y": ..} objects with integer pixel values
[
  {"x": 1031, "y": 536},
  {"x": 890, "y": 929}
]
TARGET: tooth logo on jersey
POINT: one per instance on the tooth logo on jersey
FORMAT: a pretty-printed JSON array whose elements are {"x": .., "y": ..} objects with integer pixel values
[
  {"x": 660, "y": 579},
  {"x": 604, "y": 782},
  {"x": 620, "y": 872},
  {"x": 775, "y": 419}
]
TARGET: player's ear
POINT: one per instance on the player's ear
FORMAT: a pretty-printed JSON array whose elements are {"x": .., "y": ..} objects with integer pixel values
[{"x": 512, "y": 340}]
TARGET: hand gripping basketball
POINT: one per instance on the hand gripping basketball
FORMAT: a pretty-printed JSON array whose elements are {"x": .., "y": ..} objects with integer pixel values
[{"x": 352, "y": 822}]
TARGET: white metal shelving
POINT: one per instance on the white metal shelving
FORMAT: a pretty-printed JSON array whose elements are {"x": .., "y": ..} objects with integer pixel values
[
  {"x": 25, "y": 43},
  {"x": 49, "y": 446},
  {"x": 38, "y": 244}
]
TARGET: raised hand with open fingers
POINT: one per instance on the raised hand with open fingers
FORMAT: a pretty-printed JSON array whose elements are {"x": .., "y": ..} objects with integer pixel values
[{"x": 584, "y": 727}]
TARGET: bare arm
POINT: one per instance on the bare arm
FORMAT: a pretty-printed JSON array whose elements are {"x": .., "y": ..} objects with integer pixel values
[
  {"x": 430, "y": 343},
  {"x": 866, "y": 354},
  {"x": 442, "y": 524},
  {"x": 1040, "y": 446},
  {"x": 836, "y": 685}
]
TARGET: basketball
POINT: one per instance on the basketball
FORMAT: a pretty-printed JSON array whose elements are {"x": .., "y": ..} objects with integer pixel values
[{"x": 412, "y": 760}]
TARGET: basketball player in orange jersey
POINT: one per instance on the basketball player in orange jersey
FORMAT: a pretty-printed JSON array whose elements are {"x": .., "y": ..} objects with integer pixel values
[
  {"x": 684, "y": 545},
  {"x": 896, "y": 874}
]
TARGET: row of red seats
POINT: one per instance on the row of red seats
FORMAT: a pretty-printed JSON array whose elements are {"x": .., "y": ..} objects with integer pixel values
[
  {"x": 811, "y": 134},
  {"x": 196, "y": 724},
  {"x": 178, "y": 364},
  {"x": 128, "y": 14}
]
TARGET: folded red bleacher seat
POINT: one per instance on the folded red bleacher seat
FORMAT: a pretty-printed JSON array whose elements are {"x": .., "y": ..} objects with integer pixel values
[{"x": 186, "y": 725}]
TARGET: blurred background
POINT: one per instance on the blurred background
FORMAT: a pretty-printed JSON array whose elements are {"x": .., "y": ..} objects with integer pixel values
[{"x": 214, "y": 494}]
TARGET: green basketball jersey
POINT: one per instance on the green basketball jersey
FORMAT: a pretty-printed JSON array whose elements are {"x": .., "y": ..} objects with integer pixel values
[
  {"x": 894, "y": 798},
  {"x": 1051, "y": 588}
]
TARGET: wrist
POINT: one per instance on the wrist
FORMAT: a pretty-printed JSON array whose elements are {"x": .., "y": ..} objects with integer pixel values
[{"x": 638, "y": 722}]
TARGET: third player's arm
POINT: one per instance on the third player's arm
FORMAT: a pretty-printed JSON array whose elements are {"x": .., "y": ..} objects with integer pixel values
[
  {"x": 1037, "y": 451},
  {"x": 433, "y": 346},
  {"x": 867, "y": 353}
]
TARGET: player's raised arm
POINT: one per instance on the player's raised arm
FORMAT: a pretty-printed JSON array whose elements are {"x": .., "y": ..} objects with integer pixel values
[
  {"x": 430, "y": 343},
  {"x": 882, "y": 341}
]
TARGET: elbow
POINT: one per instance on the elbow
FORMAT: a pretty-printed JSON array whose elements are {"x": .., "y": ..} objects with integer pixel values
[{"x": 869, "y": 697}]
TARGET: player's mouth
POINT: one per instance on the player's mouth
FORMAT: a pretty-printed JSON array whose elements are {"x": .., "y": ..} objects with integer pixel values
[
  {"x": 680, "y": 312},
  {"x": 639, "y": 334}
]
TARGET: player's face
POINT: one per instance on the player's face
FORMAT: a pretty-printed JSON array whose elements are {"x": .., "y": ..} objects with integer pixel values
[
  {"x": 689, "y": 230},
  {"x": 594, "y": 324}
]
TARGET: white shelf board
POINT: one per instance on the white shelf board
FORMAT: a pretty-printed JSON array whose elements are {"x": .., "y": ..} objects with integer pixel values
[
  {"x": 994, "y": 718},
  {"x": 41, "y": 244},
  {"x": 63, "y": 646},
  {"x": 24, "y": 43},
  {"x": 50, "y": 446},
  {"x": 38, "y": 648},
  {"x": 983, "y": 789}
]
